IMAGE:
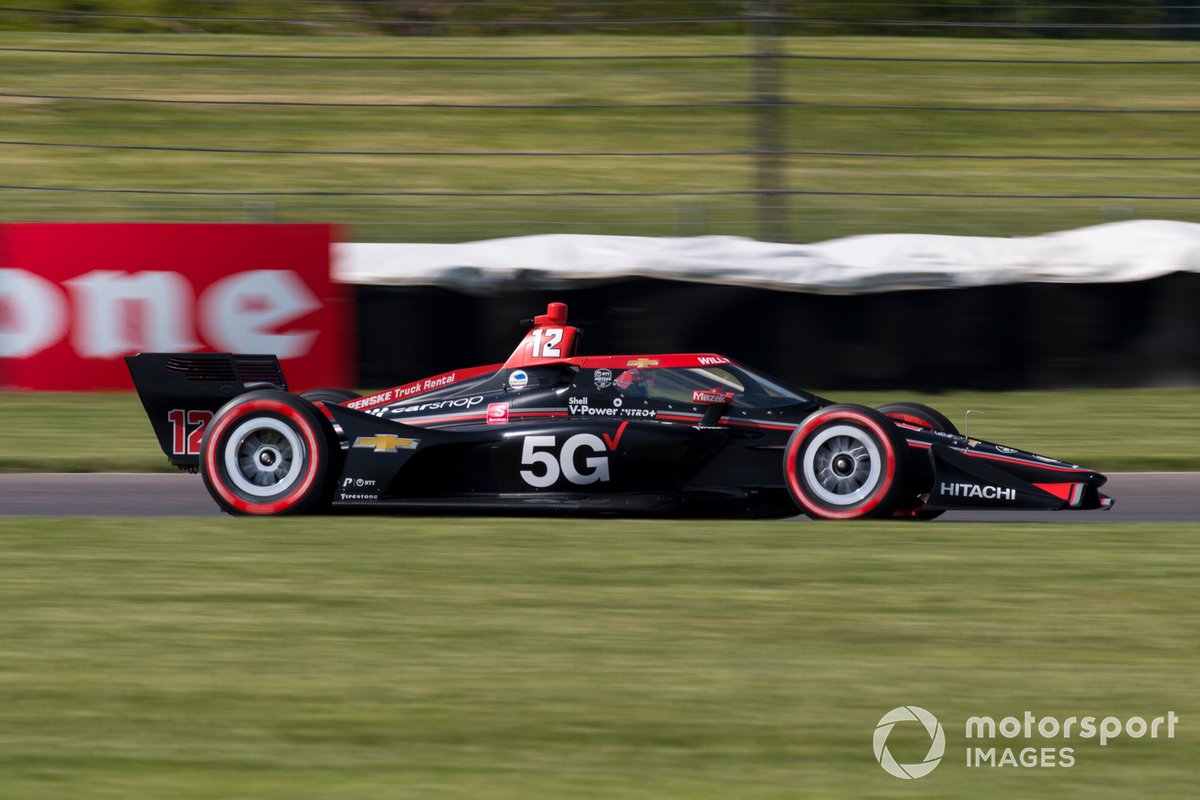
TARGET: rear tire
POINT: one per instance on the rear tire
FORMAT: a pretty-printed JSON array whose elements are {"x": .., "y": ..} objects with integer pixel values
[
  {"x": 335, "y": 396},
  {"x": 269, "y": 452},
  {"x": 846, "y": 462},
  {"x": 922, "y": 416}
]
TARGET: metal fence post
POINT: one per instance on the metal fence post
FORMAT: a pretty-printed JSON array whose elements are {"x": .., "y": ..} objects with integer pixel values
[{"x": 769, "y": 122}]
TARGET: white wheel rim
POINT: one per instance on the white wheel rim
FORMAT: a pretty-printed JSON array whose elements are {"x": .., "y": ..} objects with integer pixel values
[
  {"x": 264, "y": 457},
  {"x": 842, "y": 465}
]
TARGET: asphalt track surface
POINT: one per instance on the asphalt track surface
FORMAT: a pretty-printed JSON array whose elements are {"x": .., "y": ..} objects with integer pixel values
[{"x": 1140, "y": 497}]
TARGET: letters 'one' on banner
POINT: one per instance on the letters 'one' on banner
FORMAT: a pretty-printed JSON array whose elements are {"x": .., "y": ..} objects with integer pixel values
[{"x": 77, "y": 297}]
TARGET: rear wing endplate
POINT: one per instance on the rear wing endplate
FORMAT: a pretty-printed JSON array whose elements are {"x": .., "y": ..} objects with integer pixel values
[{"x": 182, "y": 391}]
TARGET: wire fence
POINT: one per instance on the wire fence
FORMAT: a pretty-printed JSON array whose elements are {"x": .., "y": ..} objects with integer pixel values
[
  {"x": 776, "y": 132},
  {"x": 1139, "y": 18}
]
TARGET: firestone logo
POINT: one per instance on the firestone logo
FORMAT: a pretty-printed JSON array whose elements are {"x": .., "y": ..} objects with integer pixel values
[
  {"x": 241, "y": 313},
  {"x": 937, "y": 746}
]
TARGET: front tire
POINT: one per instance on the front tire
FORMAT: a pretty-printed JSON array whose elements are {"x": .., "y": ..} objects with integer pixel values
[
  {"x": 268, "y": 452},
  {"x": 920, "y": 416},
  {"x": 846, "y": 462}
]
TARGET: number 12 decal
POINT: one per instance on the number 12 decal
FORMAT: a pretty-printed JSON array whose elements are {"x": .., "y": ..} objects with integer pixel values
[
  {"x": 547, "y": 343},
  {"x": 185, "y": 442}
]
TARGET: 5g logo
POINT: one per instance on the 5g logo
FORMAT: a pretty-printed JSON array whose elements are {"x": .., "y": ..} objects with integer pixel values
[{"x": 537, "y": 452}]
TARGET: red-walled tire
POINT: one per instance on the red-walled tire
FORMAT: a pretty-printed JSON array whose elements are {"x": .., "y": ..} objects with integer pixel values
[
  {"x": 268, "y": 452},
  {"x": 335, "y": 396},
  {"x": 922, "y": 416},
  {"x": 846, "y": 462}
]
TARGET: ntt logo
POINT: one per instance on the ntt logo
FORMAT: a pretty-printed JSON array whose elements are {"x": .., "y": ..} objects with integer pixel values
[{"x": 937, "y": 746}]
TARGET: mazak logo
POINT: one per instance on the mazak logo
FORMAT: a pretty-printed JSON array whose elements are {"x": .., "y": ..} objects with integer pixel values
[{"x": 937, "y": 746}]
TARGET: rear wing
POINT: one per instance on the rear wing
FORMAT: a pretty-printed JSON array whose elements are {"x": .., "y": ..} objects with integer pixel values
[{"x": 182, "y": 391}]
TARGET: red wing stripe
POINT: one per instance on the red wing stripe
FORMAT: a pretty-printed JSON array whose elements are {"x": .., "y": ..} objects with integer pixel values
[
  {"x": 462, "y": 418},
  {"x": 419, "y": 421},
  {"x": 747, "y": 423},
  {"x": 409, "y": 391},
  {"x": 517, "y": 414},
  {"x": 1060, "y": 490},
  {"x": 1022, "y": 462},
  {"x": 774, "y": 426}
]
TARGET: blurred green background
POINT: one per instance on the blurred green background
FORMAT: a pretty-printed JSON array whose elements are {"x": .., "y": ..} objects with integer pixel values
[{"x": 463, "y": 138}]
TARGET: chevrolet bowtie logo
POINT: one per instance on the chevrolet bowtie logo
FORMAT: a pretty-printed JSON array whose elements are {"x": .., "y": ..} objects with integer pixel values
[
  {"x": 386, "y": 443},
  {"x": 642, "y": 362}
]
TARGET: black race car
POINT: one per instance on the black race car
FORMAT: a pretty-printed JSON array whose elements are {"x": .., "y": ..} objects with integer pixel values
[{"x": 549, "y": 430}]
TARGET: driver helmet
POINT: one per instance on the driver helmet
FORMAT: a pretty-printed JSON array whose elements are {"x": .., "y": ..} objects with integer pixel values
[{"x": 632, "y": 382}]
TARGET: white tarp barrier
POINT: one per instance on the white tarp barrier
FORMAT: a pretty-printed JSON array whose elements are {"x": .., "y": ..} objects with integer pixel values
[{"x": 1114, "y": 252}]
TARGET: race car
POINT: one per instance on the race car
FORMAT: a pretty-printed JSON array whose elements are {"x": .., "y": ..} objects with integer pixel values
[{"x": 549, "y": 430}]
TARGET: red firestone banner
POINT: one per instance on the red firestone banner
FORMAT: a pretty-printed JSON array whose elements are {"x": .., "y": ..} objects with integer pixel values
[{"x": 77, "y": 297}]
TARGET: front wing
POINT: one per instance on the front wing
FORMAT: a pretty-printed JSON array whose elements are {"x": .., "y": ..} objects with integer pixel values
[{"x": 985, "y": 476}]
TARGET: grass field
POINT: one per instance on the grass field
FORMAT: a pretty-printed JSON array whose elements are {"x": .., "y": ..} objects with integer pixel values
[
  {"x": 1166, "y": 89},
  {"x": 512, "y": 659},
  {"x": 1109, "y": 429}
]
